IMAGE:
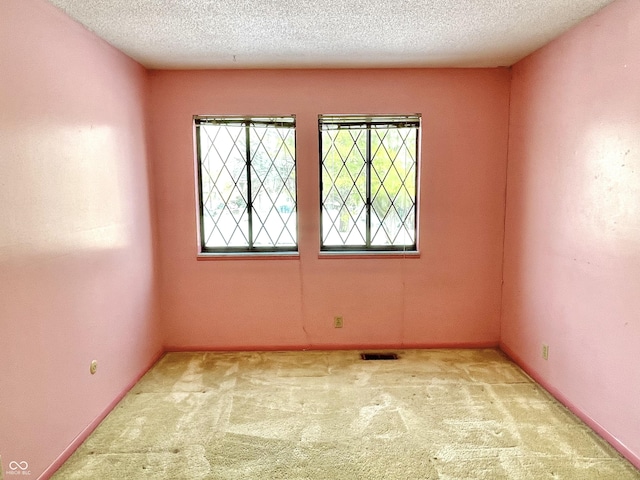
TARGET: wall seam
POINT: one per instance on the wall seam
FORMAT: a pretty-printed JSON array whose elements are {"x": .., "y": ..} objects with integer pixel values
[
  {"x": 153, "y": 204},
  {"x": 504, "y": 213}
]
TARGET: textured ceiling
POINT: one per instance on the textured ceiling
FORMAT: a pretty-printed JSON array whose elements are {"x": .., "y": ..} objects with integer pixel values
[{"x": 172, "y": 34}]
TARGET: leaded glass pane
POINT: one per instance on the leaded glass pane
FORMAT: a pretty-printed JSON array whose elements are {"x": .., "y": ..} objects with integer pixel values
[
  {"x": 393, "y": 186},
  {"x": 344, "y": 162},
  {"x": 273, "y": 186}
]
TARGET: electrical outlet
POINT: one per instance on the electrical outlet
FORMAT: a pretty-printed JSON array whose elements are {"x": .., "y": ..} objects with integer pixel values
[
  {"x": 545, "y": 351},
  {"x": 93, "y": 367},
  {"x": 338, "y": 322}
]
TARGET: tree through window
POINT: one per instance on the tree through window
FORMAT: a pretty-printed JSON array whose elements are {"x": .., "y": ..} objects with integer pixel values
[
  {"x": 368, "y": 175},
  {"x": 247, "y": 184}
]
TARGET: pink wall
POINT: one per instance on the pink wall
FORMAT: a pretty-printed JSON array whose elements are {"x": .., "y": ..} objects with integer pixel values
[
  {"x": 572, "y": 251},
  {"x": 76, "y": 249},
  {"x": 448, "y": 296}
]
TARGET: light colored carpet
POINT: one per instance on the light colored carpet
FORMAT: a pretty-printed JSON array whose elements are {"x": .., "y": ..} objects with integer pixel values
[{"x": 432, "y": 414}]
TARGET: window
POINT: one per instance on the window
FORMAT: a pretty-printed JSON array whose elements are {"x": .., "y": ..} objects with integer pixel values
[
  {"x": 247, "y": 184},
  {"x": 368, "y": 175}
]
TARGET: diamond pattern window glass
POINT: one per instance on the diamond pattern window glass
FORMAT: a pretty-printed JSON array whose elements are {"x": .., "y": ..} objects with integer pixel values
[
  {"x": 368, "y": 182},
  {"x": 247, "y": 184}
]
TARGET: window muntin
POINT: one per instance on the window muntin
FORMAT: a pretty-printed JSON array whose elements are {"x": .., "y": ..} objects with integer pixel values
[
  {"x": 247, "y": 184},
  {"x": 368, "y": 177}
]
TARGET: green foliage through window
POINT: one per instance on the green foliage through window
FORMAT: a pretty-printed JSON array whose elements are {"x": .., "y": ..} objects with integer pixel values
[{"x": 368, "y": 169}]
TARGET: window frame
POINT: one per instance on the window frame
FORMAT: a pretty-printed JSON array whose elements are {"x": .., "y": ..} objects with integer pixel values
[
  {"x": 410, "y": 120},
  {"x": 247, "y": 121}
]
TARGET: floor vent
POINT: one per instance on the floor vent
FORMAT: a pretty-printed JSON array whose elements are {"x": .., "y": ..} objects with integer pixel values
[{"x": 379, "y": 356}]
